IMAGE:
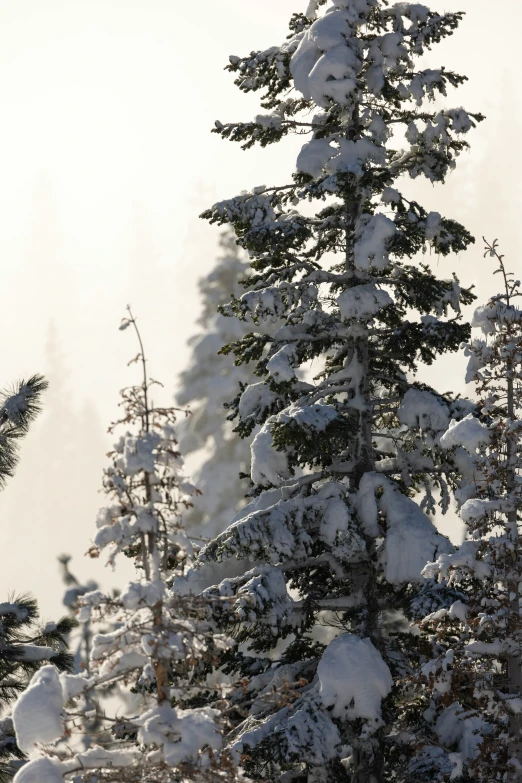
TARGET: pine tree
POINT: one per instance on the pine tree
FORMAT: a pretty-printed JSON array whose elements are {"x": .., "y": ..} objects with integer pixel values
[
  {"x": 18, "y": 408},
  {"x": 209, "y": 382},
  {"x": 336, "y": 464},
  {"x": 161, "y": 643},
  {"x": 25, "y": 644},
  {"x": 475, "y": 675}
]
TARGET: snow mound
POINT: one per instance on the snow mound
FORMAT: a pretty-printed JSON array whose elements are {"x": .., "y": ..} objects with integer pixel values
[
  {"x": 464, "y": 558},
  {"x": 372, "y": 237},
  {"x": 138, "y": 452},
  {"x": 323, "y": 75},
  {"x": 353, "y": 680},
  {"x": 141, "y": 594},
  {"x": 318, "y": 157},
  {"x": 469, "y": 433},
  {"x": 180, "y": 733},
  {"x": 41, "y": 770},
  {"x": 314, "y": 156},
  {"x": 279, "y": 366},
  {"x": 97, "y": 757},
  {"x": 37, "y": 712},
  {"x": 307, "y": 732},
  {"x": 311, "y": 734},
  {"x": 256, "y": 398},
  {"x": 421, "y": 409},
  {"x": 411, "y": 539},
  {"x": 47, "y": 770},
  {"x": 268, "y": 465},
  {"x": 73, "y": 685},
  {"x": 363, "y": 301},
  {"x": 478, "y": 509},
  {"x": 456, "y": 725}
]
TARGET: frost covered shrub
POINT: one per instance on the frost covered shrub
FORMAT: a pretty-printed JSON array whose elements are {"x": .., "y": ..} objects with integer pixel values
[
  {"x": 160, "y": 641},
  {"x": 336, "y": 464},
  {"x": 475, "y": 672}
]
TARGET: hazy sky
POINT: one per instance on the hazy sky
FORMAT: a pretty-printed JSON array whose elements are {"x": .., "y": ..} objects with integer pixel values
[{"x": 106, "y": 160}]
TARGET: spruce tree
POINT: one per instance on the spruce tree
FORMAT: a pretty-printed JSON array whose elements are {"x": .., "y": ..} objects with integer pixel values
[
  {"x": 337, "y": 464},
  {"x": 475, "y": 675},
  {"x": 161, "y": 642},
  {"x": 209, "y": 382}
]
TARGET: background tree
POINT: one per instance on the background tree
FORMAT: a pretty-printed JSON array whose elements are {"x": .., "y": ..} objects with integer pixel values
[
  {"x": 209, "y": 382},
  {"x": 474, "y": 678},
  {"x": 337, "y": 463},
  {"x": 162, "y": 643}
]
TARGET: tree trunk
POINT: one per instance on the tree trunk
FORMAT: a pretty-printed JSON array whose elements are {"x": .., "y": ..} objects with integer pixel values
[
  {"x": 514, "y": 667},
  {"x": 369, "y": 756},
  {"x": 160, "y": 670}
]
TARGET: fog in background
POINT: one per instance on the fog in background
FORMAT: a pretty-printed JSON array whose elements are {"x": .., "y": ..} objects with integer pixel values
[{"x": 106, "y": 160}]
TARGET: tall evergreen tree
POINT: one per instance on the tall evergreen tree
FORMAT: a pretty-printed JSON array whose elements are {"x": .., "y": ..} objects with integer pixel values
[
  {"x": 336, "y": 464},
  {"x": 161, "y": 643},
  {"x": 475, "y": 676},
  {"x": 209, "y": 382}
]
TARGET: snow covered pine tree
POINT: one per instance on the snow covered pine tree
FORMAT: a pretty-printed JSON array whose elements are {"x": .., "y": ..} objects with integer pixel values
[
  {"x": 336, "y": 465},
  {"x": 476, "y": 675},
  {"x": 18, "y": 408},
  {"x": 162, "y": 644},
  {"x": 25, "y": 646},
  {"x": 24, "y": 643},
  {"x": 206, "y": 385}
]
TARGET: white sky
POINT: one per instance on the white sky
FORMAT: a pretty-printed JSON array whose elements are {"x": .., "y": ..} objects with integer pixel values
[{"x": 106, "y": 160}]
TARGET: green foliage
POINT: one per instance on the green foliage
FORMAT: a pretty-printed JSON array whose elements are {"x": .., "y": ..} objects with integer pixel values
[{"x": 19, "y": 406}]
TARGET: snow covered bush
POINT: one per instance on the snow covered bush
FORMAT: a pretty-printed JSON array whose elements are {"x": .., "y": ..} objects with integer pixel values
[
  {"x": 475, "y": 675},
  {"x": 160, "y": 643},
  {"x": 336, "y": 464},
  {"x": 209, "y": 382}
]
